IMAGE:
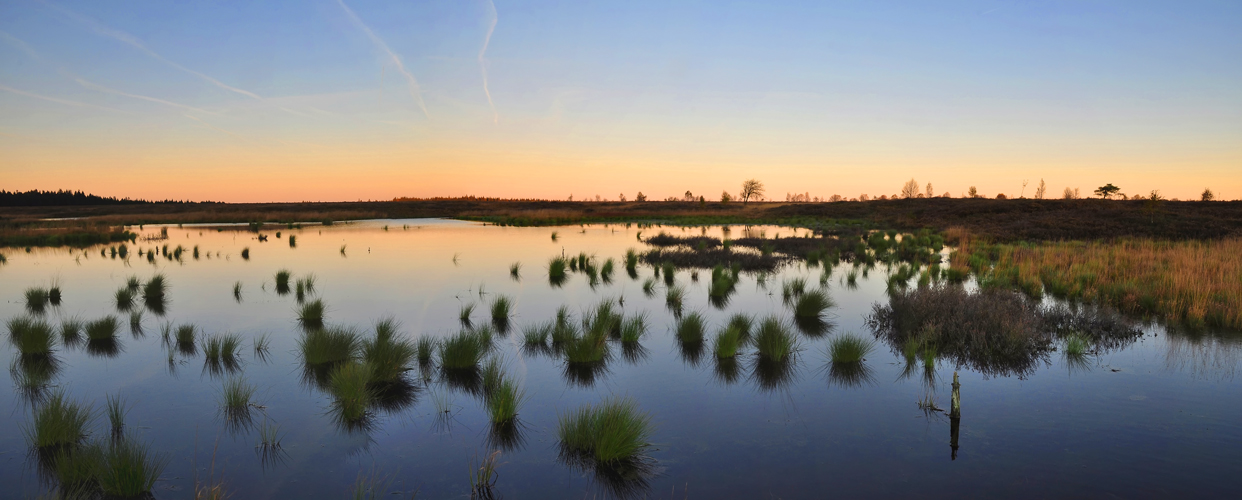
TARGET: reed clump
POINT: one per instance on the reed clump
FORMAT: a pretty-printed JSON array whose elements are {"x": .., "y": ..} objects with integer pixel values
[
  {"x": 282, "y": 281},
  {"x": 774, "y": 340},
  {"x": 502, "y": 309},
  {"x": 310, "y": 315},
  {"x": 389, "y": 353},
  {"x": 812, "y": 304},
  {"x": 58, "y": 423},
  {"x": 728, "y": 341},
  {"x": 464, "y": 350},
  {"x": 351, "y": 392},
  {"x": 32, "y": 337},
  {"x": 155, "y": 293},
  {"x": 557, "y": 270},
  {"x": 849, "y": 348},
  {"x": 102, "y": 329},
  {"x": 129, "y": 469},
  {"x": 36, "y": 300},
  {"x": 610, "y": 433},
  {"x": 124, "y": 299},
  {"x": 326, "y": 346},
  {"x": 691, "y": 328}
]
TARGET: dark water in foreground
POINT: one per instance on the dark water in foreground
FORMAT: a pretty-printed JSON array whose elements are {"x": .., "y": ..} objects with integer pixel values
[{"x": 1156, "y": 419}]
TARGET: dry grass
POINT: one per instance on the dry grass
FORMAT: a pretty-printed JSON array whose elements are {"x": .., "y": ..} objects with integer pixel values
[{"x": 1192, "y": 281}]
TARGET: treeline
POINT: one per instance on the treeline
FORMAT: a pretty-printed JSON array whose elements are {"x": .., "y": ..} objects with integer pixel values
[{"x": 36, "y": 198}]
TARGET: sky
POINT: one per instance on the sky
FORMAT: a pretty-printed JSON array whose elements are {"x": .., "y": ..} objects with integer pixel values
[{"x": 330, "y": 100}]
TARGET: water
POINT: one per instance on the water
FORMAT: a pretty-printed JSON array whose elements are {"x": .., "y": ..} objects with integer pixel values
[{"x": 1155, "y": 419}]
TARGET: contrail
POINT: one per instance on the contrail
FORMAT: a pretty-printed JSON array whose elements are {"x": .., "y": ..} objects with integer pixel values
[
  {"x": 491, "y": 7},
  {"x": 136, "y": 43},
  {"x": 30, "y": 51},
  {"x": 101, "y": 88},
  {"x": 396, "y": 60},
  {"x": 56, "y": 100}
]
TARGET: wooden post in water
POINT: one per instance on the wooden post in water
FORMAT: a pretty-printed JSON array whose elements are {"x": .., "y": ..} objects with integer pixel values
[
  {"x": 955, "y": 415},
  {"x": 955, "y": 410}
]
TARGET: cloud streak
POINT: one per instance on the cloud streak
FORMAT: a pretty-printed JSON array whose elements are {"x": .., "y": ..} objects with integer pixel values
[
  {"x": 133, "y": 41},
  {"x": 412, "y": 82},
  {"x": 491, "y": 28},
  {"x": 56, "y": 99}
]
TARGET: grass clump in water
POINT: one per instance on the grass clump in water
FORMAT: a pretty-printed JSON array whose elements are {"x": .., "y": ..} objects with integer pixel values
[
  {"x": 154, "y": 292},
  {"x": 71, "y": 331},
  {"x": 633, "y": 329},
  {"x": 674, "y": 297},
  {"x": 124, "y": 299},
  {"x": 774, "y": 340},
  {"x": 311, "y": 314},
  {"x": 504, "y": 401},
  {"x": 728, "y": 341},
  {"x": 32, "y": 337},
  {"x": 649, "y": 287},
  {"x": 611, "y": 433},
  {"x": 811, "y": 305},
  {"x": 389, "y": 354},
  {"x": 691, "y": 328},
  {"x": 116, "y": 409},
  {"x": 58, "y": 423},
  {"x": 557, "y": 271},
  {"x": 502, "y": 309},
  {"x": 324, "y": 346},
  {"x": 849, "y": 349},
  {"x": 1076, "y": 345},
  {"x": 36, "y": 300},
  {"x": 129, "y": 469},
  {"x": 464, "y": 350},
  {"x": 352, "y": 395},
  {"x": 103, "y": 329},
  {"x": 515, "y": 271},
  {"x": 282, "y": 281},
  {"x": 236, "y": 399},
  {"x": 237, "y": 291}
]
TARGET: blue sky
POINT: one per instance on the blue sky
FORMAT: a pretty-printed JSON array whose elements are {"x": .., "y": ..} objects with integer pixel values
[{"x": 361, "y": 100}]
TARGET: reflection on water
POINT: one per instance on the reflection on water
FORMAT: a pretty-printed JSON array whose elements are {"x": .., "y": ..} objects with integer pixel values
[{"x": 741, "y": 426}]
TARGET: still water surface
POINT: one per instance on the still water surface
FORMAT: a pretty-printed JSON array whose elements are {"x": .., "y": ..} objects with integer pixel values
[{"x": 1156, "y": 419}]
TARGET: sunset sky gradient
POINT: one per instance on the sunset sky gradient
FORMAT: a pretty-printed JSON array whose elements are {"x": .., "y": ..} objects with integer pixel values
[{"x": 323, "y": 100}]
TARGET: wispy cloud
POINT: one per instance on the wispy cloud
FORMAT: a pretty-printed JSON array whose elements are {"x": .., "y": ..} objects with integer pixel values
[
  {"x": 95, "y": 86},
  {"x": 34, "y": 54},
  {"x": 491, "y": 28},
  {"x": 133, "y": 41},
  {"x": 56, "y": 99},
  {"x": 412, "y": 82}
]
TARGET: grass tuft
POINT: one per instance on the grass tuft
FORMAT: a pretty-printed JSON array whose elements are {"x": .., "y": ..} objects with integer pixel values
[
  {"x": 464, "y": 350},
  {"x": 282, "y": 281},
  {"x": 389, "y": 354},
  {"x": 691, "y": 328},
  {"x": 124, "y": 299},
  {"x": 352, "y": 396},
  {"x": 849, "y": 349},
  {"x": 811, "y": 305},
  {"x": 102, "y": 329},
  {"x": 611, "y": 433},
  {"x": 323, "y": 346},
  {"x": 311, "y": 314},
  {"x": 58, "y": 422},
  {"x": 774, "y": 339}
]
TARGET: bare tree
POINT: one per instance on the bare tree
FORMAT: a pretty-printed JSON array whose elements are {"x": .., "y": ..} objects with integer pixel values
[
  {"x": 1039, "y": 191},
  {"x": 1023, "y": 193},
  {"x": 640, "y": 197},
  {"x": 1207, "y": 195},
  {"x": 751, "y": 189},
  {"x": 930, "y": 193},
  {"x": 622, "y": 196},
  {"x": 910, "y": 190},
  {"x": 972, "y": 192},
  {"x": 689, "y": 196},
  {"x": 1070, "y": 194},
  {"x": 725, "y": 197}
]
